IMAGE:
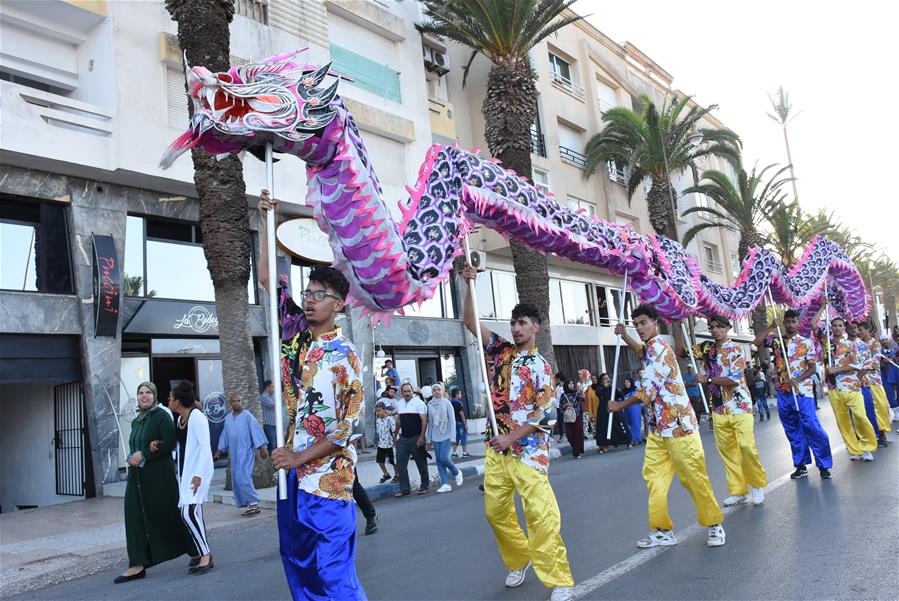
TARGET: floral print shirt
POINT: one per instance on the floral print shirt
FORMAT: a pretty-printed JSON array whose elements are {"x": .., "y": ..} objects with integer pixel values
[
  {"x": 845, "y": 353},
  {"x": 522, "y": 394},
  {"x": 662, "y": 389},
  {"x": 870, "y": 353},
  {"x": 725, "y": 360},
  {"x": 801, "y": 354},
  {"x": 322, "y": 380}
]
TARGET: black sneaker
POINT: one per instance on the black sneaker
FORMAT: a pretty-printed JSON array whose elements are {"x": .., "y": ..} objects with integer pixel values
[
  {"x": 384, "y": 479},
  {"x": 882, "y": 442},
  {"x": 801, "y": 472},
  {"x": 825, "y": 473},
  {"x": 371, "y": 526}
]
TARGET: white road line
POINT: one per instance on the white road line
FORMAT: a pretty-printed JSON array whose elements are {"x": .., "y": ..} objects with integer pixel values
[{"x": 637, "y": 559}]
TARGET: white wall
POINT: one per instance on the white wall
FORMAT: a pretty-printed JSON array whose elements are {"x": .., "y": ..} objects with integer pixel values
[{"x": 27, "y": 454}]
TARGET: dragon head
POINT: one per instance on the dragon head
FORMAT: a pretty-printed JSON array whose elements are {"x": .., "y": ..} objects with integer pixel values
[{"x": 274, "y": 101}]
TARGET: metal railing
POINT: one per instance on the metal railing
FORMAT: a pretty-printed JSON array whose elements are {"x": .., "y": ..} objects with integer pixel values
[
  {"x": 538, "y": 144},
  {"x": 568, "y": 85},
  {"x": 257, "y": 10},
  {"x": 714, "y": 266},
  {"x": 617, "y": 174},
  {"x": 603, "y": 105},
  {"x": 572, "y": 156}
]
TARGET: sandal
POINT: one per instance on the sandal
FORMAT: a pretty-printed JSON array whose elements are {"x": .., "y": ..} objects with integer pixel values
[
  {"x": 402, "y": 494},
  {"x": 383, "y": 479},
  {"x": 250, "y": 511},
  {"x": 423, "y": 490}
]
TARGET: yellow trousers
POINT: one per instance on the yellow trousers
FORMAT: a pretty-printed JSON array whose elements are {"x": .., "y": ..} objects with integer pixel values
[
  {"x": 735, "y": 440},
  {"x": 856, "y": 430},
  {"x": 881, "y": 407},
  {"x": 543, "y": 546},
  {"x": 684, "y": 456}
]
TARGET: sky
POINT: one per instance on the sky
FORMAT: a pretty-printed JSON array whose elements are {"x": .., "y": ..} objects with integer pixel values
[{"x": 836, "y": 61}]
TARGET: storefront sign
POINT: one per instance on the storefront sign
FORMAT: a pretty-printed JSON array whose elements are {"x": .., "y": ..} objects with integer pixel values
[
  {"x": 304, "y": 239},
  {"x": 107, "y": 286},
  {"x": 199, "y": 319}
]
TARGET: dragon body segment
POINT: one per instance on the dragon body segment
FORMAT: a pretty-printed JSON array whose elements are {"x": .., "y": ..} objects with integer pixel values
[{"x": 391, "y": 265}]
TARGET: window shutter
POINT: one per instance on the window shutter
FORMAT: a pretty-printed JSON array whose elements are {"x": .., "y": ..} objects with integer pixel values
[{"x": 176, "y": 99}]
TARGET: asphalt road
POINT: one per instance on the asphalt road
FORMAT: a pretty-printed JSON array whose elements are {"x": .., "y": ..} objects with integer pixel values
[{"x": 812, "y": 539}]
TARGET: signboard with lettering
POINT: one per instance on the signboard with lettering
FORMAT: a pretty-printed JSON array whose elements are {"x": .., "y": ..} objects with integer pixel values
[
  {"x": 181, "y": 318},
  {"x": 107, "y": 286},
  {"x": 303, "y": 238}
]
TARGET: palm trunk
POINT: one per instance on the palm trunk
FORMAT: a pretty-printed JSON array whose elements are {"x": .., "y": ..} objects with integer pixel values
[
  {"x": 203, "y": 33},
  {"x": 661, "y": 208},
  {"x": 509, "y": 109}
]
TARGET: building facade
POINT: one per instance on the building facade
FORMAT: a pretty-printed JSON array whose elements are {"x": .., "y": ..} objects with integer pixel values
[{"x": 103, "y": 281}]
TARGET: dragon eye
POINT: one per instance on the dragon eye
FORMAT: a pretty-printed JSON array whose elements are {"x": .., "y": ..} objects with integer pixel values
[{"x": 225, "y": 77}]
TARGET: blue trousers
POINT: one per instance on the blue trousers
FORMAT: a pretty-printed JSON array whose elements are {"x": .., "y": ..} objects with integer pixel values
[
  {"x": 869, "y": 409},
  {"x": 803, "y": 430},
  {"x": 318, "y": 546},
  {"x": 634, "y": 420},
  {"x": 890, "y": 389},
  {"x": 444, "y": 463},
  {"x": 270, "y": 436},
  {"x": 461, "y": 434}
]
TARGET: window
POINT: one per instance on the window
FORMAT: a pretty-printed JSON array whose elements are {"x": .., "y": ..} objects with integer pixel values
[
  {"x": 617, "y": 173},
  {"x": 560, "y": 70},
  {"x": 541, "y": 179},
  {"x": 439, "y": 305},
  {"x": 569, "y": 302},
  {"x": 176, "y": 99},
  {"x": 484, "y": 292},
  {"x": 257, "y": 10},
  {"x": 570, "y": 146},
  {"x": 703, "y": 201},
  {"x": 629, "y": 305},
  {"x": 505, "y": 293},
  {"x": 575, "y": 204},
  {"x": 606, "y": 97},
  {"x": 735, "y": 264},
  {"x": 711, "y": 258},
  {"x": 538, "y": 142},
  {"x": 602, "y": 306},
  {"x": 34, "y": 247},
  {"x": 164, "y": 258},
  {"x": 556, "y": 314},
  {"x": 367, "y": 74}
]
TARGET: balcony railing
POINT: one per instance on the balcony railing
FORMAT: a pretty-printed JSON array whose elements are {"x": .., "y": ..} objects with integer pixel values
[
  {"x": 257, "y": 10},
  {"x": 617, "y": 174},
  {"x": 568, "y": 85},
  {"x": 714, "y": 266},
  {"x": 572, "y": 156},
  {"x": 538, "y": 144},
  {"x": 603, "y": 105}
]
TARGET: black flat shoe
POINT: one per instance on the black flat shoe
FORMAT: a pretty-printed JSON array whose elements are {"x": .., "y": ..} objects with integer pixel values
[
  {"x": 196, "y": 571},
  {"x": 194, "y": 562},
  {"x": 138, "y": 576}
]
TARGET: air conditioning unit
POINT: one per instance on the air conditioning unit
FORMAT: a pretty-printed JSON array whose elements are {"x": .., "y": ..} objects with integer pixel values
[
  {"x": 435, "y": 60},
  {"x": 478, "y": 260}
]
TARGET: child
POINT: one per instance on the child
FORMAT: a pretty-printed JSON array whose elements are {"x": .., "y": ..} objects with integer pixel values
[{"x": 386, "y": 427}]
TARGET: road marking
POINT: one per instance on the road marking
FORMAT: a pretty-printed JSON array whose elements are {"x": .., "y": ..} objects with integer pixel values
[{"x": 637, "y": 559}]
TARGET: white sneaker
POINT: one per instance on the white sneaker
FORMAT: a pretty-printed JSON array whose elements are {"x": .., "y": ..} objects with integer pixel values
[
  {"x": 516, "y": 577},
  {"x": 562, "y": 593},
  {"x": 757, "y": 495},
  {"x": 716, "y": 536},
  {"x": 854, "y": 457},
  {"x": 459, "y": 478},
  {"x": 735, "y": 500},
  {"x": 659, "y": 538},
  {"x": 445, "y": 488},
  {"x": 867, "y": 456}
]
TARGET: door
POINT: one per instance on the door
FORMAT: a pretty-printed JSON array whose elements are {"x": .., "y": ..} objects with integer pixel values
[
  {"x": 168, "y": 371},
  {"x": 68, "y": 410}
]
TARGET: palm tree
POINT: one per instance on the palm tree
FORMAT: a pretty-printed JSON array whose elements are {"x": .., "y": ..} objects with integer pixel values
[
  {"x": 133, "y": 285},
  {"x": 885, "y": 274},
  {"x": 656, "y": 143},
  {"x": 786, "y": 237},
  {"x": 204, "y": 37},
  {"x": 741, "y": 207},
  {"x": 782, "y": 108},
  {"x": 821, "y": 223},
  {"x": 505, "y": 31}
]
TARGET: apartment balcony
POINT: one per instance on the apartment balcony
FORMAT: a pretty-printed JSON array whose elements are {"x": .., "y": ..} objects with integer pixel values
[
  {"x": 563, "y": 83},
  {"x": 714, "y": 266},
  {"x": 572, "y": 157},
  {"x": 55, "y": 128},
  {"x": 443, "y": 122},
  {"x": 538, "y": 144},
  {"x": 603, "y": 105},
  {"x": 617, "y": 174}
]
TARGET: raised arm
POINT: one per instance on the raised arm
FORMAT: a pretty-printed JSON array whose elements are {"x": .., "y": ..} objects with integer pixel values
[
  {"x": 266, "y": 203},
  {"x": 470, "y": 274},
  {"x": 759, "y": 341},
  {"x": 636, "y": 346}
]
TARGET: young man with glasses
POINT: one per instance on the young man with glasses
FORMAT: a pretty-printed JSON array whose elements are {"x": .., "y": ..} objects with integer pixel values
[
  {"x": 322, "y": 381},
  {"x": 731, "y": 402}
]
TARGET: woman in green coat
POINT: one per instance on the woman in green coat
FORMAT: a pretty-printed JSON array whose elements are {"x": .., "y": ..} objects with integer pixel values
[{"x": 154, "y": 530}]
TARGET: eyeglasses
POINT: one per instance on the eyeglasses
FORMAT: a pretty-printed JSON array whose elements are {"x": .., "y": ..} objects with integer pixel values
[{"x": 318, "y": 295}]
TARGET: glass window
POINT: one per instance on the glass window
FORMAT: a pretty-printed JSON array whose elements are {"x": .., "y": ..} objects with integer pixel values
[
  {"x": 448, "y": 370},
  {"x": 602, "y": 306},
  {"x": 505, "y": 293},
  {"x": 575, "y": 203},
  {"x": 541, "y": 179},
  {"x": 439, "y": 305},
  {"x": 192, "y": 346},
  {"x": 484, "y": 290},
  {"x": 209, "y": 378},
  {"x": 449, "y": 306},
  {"x": 556, "y": 315},
  {"x": 299, "y": 277},
  {"x": 575, "y": 303},
  {"x": 34, "y": 247},
  {"x": 408, "y": 371},
  {"x": 134, "y": 371},
  {"x": 559, "y": 67},
  {"x": 366, "y": 73},
  {"x": 630, "y": 304},
  {"x": 134, "y": 257}
]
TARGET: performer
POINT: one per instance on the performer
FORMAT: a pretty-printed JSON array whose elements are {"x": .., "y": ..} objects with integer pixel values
[
  {"x": 673, "y": 445},
  {"x": 868, "y": 400},
  {"x": 845, "y": 395},
  {"x": 518, "y": 455},
  {"x": 889, "y": 370},
  {"x": 794, "y": 369},
  {"x": 872, "y": 383},
  {"x": 322, "y": 380},
  {"x": 725, "y": 366}
]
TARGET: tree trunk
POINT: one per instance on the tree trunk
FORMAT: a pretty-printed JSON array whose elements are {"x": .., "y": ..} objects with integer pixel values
[
  {"x": 204, "y": 36},
  {"x": 509, "y": 109},
  {"x": 661, "y": 210}
]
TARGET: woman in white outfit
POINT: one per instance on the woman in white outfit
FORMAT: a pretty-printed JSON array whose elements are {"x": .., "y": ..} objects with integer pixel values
[{"x": 195, "y": 471}]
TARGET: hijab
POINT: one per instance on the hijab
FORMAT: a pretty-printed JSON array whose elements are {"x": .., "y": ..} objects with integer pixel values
[
  {"x": 152, "y": 387},
  {"x": 440, "y": 406}
]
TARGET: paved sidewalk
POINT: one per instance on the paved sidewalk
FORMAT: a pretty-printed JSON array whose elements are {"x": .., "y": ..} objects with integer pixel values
[{"x": 47, "y": 545}]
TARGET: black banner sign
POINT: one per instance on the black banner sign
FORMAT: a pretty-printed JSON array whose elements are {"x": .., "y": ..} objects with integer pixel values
[{"x": 107, "y": 286}]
